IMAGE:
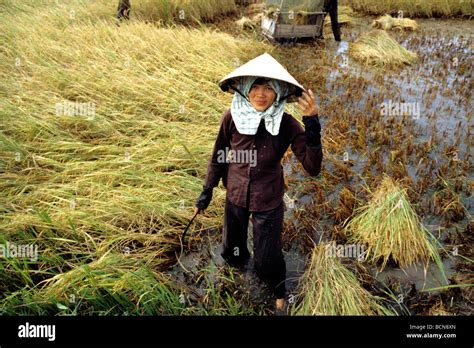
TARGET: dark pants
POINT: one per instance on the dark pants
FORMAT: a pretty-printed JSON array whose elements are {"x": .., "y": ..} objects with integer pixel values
[
  {"x": 331, "y": 7},
  {"x": 267, "y": 246}
]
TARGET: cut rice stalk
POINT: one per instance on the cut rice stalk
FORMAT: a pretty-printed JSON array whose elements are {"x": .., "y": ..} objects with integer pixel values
[
  {"x": 388, "y": 22},
  {"x": 390, "y": 228},
  {"x": 378, "y": 48},
  {"x": 329, "y": 288}
]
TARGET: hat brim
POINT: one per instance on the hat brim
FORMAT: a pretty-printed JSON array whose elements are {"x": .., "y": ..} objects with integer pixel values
[
  {"x": 264, "y": 66},
  {"x": 230, "y": 84}
]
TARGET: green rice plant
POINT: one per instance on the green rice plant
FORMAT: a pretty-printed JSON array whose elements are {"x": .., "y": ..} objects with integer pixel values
[
  {"x": 329, "y": 288},
  {"x": 378, "y": 48},
  {"x": 401, "y": 307},
  {"x": 447, "y": 287},
  {"x": 390, "y": 228},
  {"x": 115, "y": 284}
]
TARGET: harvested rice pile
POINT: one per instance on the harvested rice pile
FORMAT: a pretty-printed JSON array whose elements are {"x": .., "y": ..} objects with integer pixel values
[
  {"x": 391, "y": 229},
  {"x": 294, "y": 11},
  {"x": 345, "y": 16},
  {"x": 378, "y": 48},
  {"x": 329, "y": 288},
  {"x": 388, "y": 22},
  {"x": 245, "y": 23},
  {"x": 250, "y": 23}
]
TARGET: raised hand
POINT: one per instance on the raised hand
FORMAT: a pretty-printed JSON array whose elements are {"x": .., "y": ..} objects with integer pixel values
[{"x": 307, "y": 104}]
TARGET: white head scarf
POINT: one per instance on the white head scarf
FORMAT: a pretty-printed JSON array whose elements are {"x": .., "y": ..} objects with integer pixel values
[{"x": 247, "y": 119}]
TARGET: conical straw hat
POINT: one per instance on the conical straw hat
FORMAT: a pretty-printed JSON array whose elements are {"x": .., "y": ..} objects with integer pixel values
[{"x": 263, "y": 66}]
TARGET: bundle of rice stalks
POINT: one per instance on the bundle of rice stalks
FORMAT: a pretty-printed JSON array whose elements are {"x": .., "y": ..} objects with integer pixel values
[
  {"x": 246, "y": 23},
  {"x": 255, "y": 8},
  {"x": 295, "y": 5},
  {"x": 390, "y": 228},
  {"x": 388, "y": 22},
  {"x": 296, "y": 12},
  {"x": 378, "y": 48},
  {"x": 345, "y": 16},
  {"x": 329, "y": 288}
]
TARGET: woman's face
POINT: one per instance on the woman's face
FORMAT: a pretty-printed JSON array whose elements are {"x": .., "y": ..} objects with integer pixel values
[{"x": 261, "y": 95}]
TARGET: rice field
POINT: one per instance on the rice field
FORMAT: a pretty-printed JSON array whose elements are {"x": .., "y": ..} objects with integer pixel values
[
  {"x": 106, "y": 128},
  {"x": 414, "y": 8},
  {"x": 93, "y": 164}
]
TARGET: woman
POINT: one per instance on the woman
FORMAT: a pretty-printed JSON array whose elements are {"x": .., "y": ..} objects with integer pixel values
[{"x": 253, "y": 137}]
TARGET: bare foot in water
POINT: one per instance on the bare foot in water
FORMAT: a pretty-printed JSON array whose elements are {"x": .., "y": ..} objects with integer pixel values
[{"x": 280, "y": 304}]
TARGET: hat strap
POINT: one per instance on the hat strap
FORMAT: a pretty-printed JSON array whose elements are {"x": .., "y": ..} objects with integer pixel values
[{"x": 237, "y": 90}]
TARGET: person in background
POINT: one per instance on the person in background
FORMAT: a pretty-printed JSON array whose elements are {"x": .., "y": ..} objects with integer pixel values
[
  {"x": 123, "y": 11},
  {"x": 330, "y": 6}
]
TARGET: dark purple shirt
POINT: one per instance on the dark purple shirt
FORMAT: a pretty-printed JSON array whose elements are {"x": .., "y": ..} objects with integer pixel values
[{"x": 254, "y": 176}]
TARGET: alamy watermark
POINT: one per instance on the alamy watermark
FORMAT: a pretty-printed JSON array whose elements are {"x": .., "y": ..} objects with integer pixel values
[
  {"x": 28, "y": 330},
  {"x": 391, "y": 108},
  {"x": 356, "y": 251},
  {"x": 237, "y": 156},
  {"x": 11, "y": 250},
  {"x": 68, "y": 108}
]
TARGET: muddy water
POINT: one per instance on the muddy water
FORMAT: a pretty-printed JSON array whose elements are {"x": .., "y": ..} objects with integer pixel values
[
  {"x": 423, "y": 277},
  {"x": 205, "y": 257},
  {"x": 439, "y": 85}
]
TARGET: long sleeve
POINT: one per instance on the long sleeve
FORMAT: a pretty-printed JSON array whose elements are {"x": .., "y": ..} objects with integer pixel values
[
  {"x": 217, "y": 165},
  {"x": 306, "y": 144}
]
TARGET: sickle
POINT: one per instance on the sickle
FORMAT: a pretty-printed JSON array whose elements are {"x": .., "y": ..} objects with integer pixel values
[
  {"x": 189, "y": 224},
  {"x": 178, "y": 258}
]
